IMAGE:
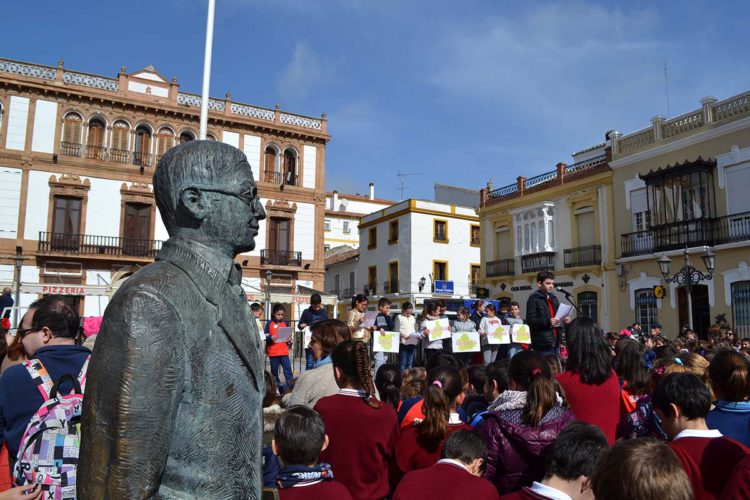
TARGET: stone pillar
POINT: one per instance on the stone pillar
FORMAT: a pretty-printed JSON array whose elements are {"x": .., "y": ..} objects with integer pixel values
[
  {"x": 614, "y": 137},
  {"x": 708, "y": 108},
  {"x": 521, "y": 180},
  {"x": 657, "y": 122},
  {"x": 561, "y": 172}
]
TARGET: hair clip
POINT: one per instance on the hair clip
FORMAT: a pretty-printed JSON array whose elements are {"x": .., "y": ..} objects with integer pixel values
[
  {"x": 659, "y": 371},
  {"x": 679, "y": 361},
  {"x": 536, "y": 371},
  {"x": 438, "y": 383}
]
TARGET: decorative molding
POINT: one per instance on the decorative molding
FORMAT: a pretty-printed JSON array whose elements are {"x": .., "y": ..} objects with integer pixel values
[
  {"x": 301, "y": 121},
  {"x": 631, "y": 185},
  {"x": 195, "y": 101},
  {"x": 643, "y": 281},
  {"x": 31, "y": 70},
  {"x": 252, "y": 111},
  {"x": 137, "y": 192},
  {"x": 69, "y": 185},
  {"x": 735, "y": 156},
  {"x": 96, "y": 82}
]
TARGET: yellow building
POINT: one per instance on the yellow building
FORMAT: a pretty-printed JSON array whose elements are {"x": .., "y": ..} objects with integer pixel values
[{"x": 683, "y": 186}]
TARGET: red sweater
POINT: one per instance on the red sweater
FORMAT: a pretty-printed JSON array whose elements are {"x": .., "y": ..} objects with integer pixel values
[
  {"x": 274, "y": 348},
  {"x": 324, "y": 490},
  {"x": 708, "y": 462},
  {"x": 411, "y": 456},
  {"x": 444, "y": 481},
  {"x": 739, "y": 483},
  {"x": 598, "y": 405},
  {"x": 362, "y": 440}
]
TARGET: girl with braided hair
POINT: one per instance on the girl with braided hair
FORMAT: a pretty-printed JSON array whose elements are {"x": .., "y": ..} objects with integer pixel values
[{"x": 362, "y": 430}]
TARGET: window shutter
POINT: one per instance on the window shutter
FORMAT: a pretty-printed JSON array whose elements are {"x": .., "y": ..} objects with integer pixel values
[{"x": 72, "y": 129}]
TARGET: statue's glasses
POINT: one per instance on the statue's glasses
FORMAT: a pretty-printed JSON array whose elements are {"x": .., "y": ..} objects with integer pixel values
[{"x": 248, "y": 197}]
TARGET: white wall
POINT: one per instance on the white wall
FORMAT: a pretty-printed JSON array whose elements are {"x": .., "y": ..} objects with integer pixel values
[
  {"x": 45, "y": 117},
  {"x": 231, "y": 138},
  {"x": 160, "y": 231},
  {"x": 37, "y": 204},
  {"x": 337, "y": 237},
  {"x": 343, "y": 269},
  {"x": 6, "y": 274},
  {"x": 304, "y": 230},
  {"x": 309, "y": 169},
  {"x": 18, "y": 117},
  {"x": 103, "y": 210},
  {"x": 10, "y": 194},
  {"x": 29, "y": 274},
  {"x": 252, "y": 151}
]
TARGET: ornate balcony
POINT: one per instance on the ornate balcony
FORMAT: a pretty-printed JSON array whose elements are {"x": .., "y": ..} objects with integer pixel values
[
  {"x": 694, "y": 233},
  {"x": 583, "y": 256},
  {"x": 142, "y": 159},
  {"x": 88, "y": 244},
  {"x": 272, "y": 176},
  {"x": 70, "y": 149},
  {"x": 280, "y": 258},
  {"x": 543, "y": 261},
  {"x": 94, "y": 152},
  {"x": 503, "y": 267},
  {"x": 119, "y": 155}
]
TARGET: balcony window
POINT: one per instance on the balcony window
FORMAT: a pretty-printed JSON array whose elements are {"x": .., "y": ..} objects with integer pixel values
[
  {"x": 66, "y": 222},
  {"x": 681, "y": 193},
  {"x": 346, "y": 227},
  {"x": 290, "y": 167},
  {"x": 535, "y": 230},
  {"x": 587, "y": 303},
  {"x": 137, "y": 229},
  {"x": 440, "y": 270},
  {"x": 271, "y": 170},
  {"x": 646, "y": 311},
  {"x": 475, "y": 274},
  {"x": 392, "y": 277},
  {"x": 327, "y": 225},
  {"x": 164, "y": 141},
  {"x": 72, "y": 133},
  {"x": 142, "y": 151},
  {"x": 372, "y": 235},
  {"x": 278, "y": 234},
  {"x": 186, "y": 136},
  {"x": 372, "y": 280},
  {"x": 119, "y": 148},
  {"x": 475, "y": 232},
  {"x": 741, "y": 308},
  {"x": 95, "y": 149},
  {"x": 393, "y": 232}
]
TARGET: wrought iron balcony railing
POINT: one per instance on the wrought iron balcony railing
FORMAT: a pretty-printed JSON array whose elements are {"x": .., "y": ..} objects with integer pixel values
[
  {"x": 142, "y": 159},
  {"x": 94, "y": 152},
  {"x": 89, "y": 244},
  {"x": 280, "y": 257},
  {"x": 503, "y": 267},
  {"x": 543, "y": 261},
  {"x": 583, "y": 256},
  {"x": 70, "y": 149},
  {"x": 119, "y": 155}
]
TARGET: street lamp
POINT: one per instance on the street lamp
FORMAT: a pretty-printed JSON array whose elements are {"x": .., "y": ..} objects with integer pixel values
[
  {"x": 422, "y": 282},
  {"x": 688, "y": 275},
  {"x": 269, "y": 275}
]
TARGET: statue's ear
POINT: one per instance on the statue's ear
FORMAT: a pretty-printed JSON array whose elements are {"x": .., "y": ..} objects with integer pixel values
[{"x": 194, "y": 202}]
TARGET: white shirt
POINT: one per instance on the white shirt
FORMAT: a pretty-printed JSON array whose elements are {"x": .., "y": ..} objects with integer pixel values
[
  {"x": 549, "y": 491},
  {"x": 457, "y": 463},
  {"x": 695, "y": 433},
  {"x": 352, "y": 392}
]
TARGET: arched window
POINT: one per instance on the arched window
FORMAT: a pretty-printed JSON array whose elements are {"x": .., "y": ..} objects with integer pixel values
[
  {"x": 71, "y": 142},
  {"x": 95, "y": 149},
  {"x": 142, "y": 150},
  {"x": 210, "y": 137},
  {"x": 165, "y": 141},
  {"x": 186, "y": 136},
  {"x": 741, "y": 308},
  {"x": 290, "y": 167},
  {"x": 118, "y": 146},
  {"x": 646, "y": 311},
  {"x": 1, "y": 117},
  {"x": 271, "y": 165}
]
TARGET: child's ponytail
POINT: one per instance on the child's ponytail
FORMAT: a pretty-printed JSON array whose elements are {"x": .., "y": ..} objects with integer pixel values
[
  {"x": 530, "y": 371},
  {"x": 352, "y": 359},
  {"x": 443, "y": 387}
]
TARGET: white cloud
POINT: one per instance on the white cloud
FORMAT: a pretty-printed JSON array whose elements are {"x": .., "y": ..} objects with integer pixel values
[{"x": 305, "y": 72}]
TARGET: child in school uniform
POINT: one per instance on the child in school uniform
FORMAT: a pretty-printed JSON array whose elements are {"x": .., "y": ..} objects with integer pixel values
[
  {"x": 278, "y": 352},
  {"x": 383, "y": 323},
  {"x": 298, "y": 439},
  {"x": 490, "y": 321},
  {"x": 463, "y": 324}
]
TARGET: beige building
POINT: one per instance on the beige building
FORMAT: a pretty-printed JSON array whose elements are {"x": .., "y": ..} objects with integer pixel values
[
  {"x": 77, "y": 155},
  {"x": 683, "y": 185},
  {"x": 559, "y": 221}
]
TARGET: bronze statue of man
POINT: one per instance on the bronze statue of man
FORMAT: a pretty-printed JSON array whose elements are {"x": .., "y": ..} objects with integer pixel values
[{"x": 174, "y": 388}]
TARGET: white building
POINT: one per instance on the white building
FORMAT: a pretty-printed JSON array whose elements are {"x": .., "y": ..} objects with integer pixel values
[
  {"x": 342, "y": 215},
  {"x": 411, "y": 245}
]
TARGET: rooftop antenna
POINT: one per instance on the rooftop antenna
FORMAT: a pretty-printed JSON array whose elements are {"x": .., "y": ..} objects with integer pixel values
[
  {"x": 401, "y": 176},
  {"x": 666, "y": 86}
]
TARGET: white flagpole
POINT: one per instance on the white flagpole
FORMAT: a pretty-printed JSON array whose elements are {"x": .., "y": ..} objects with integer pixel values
[{"x": 207, "y": 68}]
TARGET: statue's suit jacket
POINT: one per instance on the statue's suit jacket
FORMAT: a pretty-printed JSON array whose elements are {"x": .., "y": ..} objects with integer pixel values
[{"x": 173, "y": 397}]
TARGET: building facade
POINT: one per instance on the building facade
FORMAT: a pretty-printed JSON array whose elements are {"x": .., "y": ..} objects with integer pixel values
[
  {"x": 559, "y": 221},
  {"x": 342, "y": 215},
  {"x": 77, "y": 156},
  {"x": 412, "y": 251},
  {"x": 681, "y": 186}
]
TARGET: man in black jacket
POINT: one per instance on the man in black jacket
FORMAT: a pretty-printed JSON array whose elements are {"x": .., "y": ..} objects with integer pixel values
[{"x": 540, "y": 315}]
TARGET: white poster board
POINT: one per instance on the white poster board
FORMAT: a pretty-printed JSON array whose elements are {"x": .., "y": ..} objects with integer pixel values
[
  {"x": 439, "y": 329},
  {"x": 284, "y": 334},
  {"x": 465, "y": 342},
  {"x": 385, "y": 342},
  {"x": 521, "y": 334},
  {"x": 498, "y": 333}
]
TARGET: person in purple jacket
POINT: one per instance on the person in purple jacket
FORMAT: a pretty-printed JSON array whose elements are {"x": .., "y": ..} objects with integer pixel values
[
  {"x": 48, "y": 331},
  {"x": 526, "y": 421}
]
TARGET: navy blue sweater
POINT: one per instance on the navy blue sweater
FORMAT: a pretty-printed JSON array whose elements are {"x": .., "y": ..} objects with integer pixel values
[
  {"x": 19, "y": 397},
  {"x": 309, "y": 316}
]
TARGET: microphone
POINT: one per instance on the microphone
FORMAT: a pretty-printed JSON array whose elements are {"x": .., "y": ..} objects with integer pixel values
[{"x": 562, "y": 290}]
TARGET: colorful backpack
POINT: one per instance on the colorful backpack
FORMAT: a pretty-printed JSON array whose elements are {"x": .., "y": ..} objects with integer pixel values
[{"x": 48, "y": 454}]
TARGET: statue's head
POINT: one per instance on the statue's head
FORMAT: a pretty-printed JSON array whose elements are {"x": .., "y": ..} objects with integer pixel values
[{"x": 206, "y": 189}]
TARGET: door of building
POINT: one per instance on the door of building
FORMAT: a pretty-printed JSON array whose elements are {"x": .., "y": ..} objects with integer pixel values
[
  {"x": 137, "y": 228},
  {"x": 701, "y": 309},
  {"x": 278, "y": 241}
]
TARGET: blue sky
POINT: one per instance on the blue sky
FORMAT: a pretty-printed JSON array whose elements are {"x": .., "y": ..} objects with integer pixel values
[{"x": 459, "y": 92}]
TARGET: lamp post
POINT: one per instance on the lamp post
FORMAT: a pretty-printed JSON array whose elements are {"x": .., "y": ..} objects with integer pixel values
[
  {"x": 19, "y": 267},
  {"x": 422, "y": 282},
  {"x": 688, "y": 275},
  {"x": 269, "y": 275}
]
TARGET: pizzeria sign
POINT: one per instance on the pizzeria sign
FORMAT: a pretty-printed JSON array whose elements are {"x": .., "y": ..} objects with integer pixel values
[{"x": 76, "y": 290}]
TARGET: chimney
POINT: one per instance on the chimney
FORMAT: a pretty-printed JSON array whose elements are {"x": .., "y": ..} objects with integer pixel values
[
  {"x": 372, "y": 190},
  {"x": 335, "y": 201}
]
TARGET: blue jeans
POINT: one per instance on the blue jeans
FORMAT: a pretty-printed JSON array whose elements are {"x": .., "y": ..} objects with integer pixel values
[
  {"x": 286, "y": 365},
  {"x": 309, "y": 360},
  {"x": 406, "y": 356},
  {"x": 514, "y": 349}
]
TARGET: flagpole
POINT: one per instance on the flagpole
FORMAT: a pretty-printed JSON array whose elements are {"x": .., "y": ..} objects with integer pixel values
[{"x": 207, "y": 68}]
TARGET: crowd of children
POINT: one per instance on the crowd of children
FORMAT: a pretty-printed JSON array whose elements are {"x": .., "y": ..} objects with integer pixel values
[{"x": 611, "y": 420}]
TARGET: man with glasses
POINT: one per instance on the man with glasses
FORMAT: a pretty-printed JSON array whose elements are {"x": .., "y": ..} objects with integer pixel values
[
  {"x": 48, "y": 331},
  {"x": 174, "y": 390}
]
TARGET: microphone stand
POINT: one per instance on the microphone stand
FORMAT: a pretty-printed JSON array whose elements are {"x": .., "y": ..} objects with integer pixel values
[{"x": 569, "y": 298}]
